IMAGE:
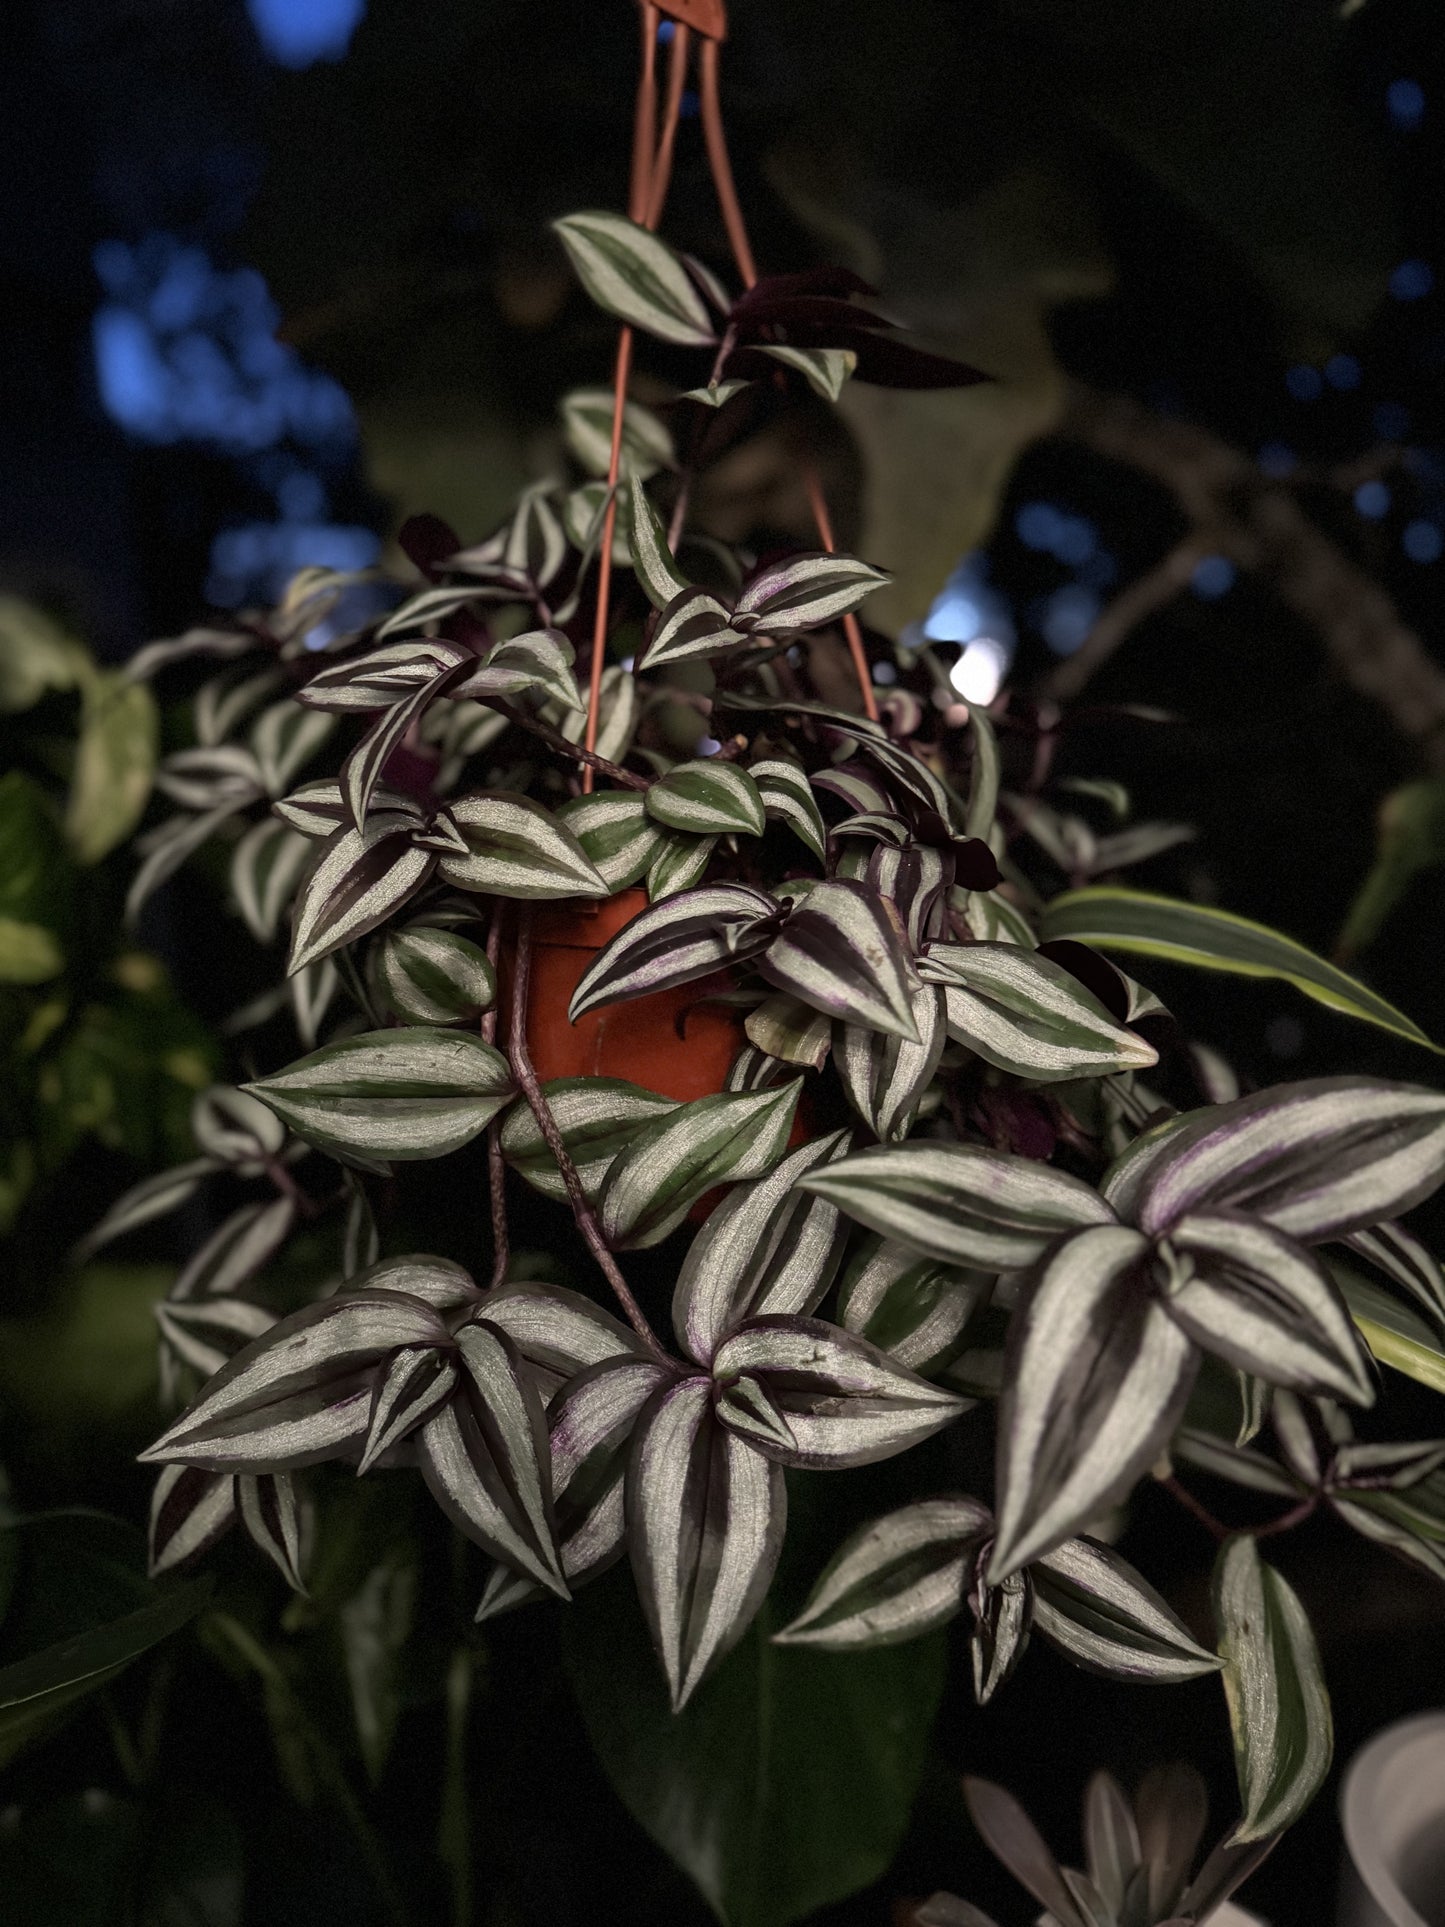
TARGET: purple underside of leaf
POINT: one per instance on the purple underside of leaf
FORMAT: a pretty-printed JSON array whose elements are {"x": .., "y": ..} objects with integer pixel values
[
  {"x": 1097, "y": 1378},
  {"x": 676, "y": 942},
  {"x": 842, "y": 952},
  {"x": 844, "y": 1401},
  {"x": 705, "y": 1519}
]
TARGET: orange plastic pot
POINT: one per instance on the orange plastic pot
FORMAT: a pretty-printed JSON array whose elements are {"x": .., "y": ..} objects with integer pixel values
[{"x": 673, "y": 1042}]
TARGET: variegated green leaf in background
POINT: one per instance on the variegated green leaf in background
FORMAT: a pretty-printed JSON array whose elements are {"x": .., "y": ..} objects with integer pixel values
[
  {"x": 618, "y": 709},
  {"x": 537, "y": 664},
  {"x": 115, "y": 760},
  {"x": 598, "y": 1118},
  {"x": 1278, "y": 1707},
  {"x": 674, "y": 1160},
  {"x": 824, "y": 369},
  {"x": 707, "y": 798},
  {"x": 915, "y": 1309},
  {"x": 403, "y": 1094},
  {"x": 266, "y": 866},
  {"x": 587, "y": 424},
  {"x": 434, "y": 976},
  {"x": 284, "y": 739},
  {"x": 634, "y": 275},
  {"x": 961, "y": 1204},
  {"x": 1022, "y": 1013},
  {"x": 615, "y": 833},
  {"x": 652, "y": 559},
  {"x": 1210, "y": 939}
]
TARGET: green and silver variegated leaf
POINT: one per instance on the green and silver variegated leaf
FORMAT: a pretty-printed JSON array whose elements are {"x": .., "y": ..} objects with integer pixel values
[
  {"x": 1098, "y": 1377},
  {"x": 705, "y": 1521},
  {"x": 804, "y": 592},
  {"x": 437, "y": 1282},
  {"x": 361, "y": 878},
  {"x": 166, "y": 848},
  {"x": 885, "y": 1076},
  {"x": 598, "y": 1117},
  {"x": 1024, "y": 1014},
  {"x": 1399, "y": 1255},
  {"x": 618, "y": 709},
  {"x": 203, "y": 1333},
  {"x": 1210, "y": 939},
  {"x": 302, "y": 1391},
  {"x": 204, "y": 779},
  {"x": 1278, "y": 1707},
  {"x": 824, "y": 369},
  {"x": 768, "y": 1247},
  {"x": 615, "y": 833},
  {"x": 557, "y": 1333},
  {"x": 676, "y": 1159},
  {"x": 190, "y": 1509},
  {"x": 226, "y": 701},
  {"x": 1262, "y": 1302},
  {"x": 842, "y": 950},
  {"x": 693, "y": 626},
  {"x": 239, "y": 1247},
  {"x": 237, "y": 1129},
  {"x": 320, "y": 809},
  {"x": 284, "y": 739},
  {"x": 266, "y": 866},
  {"x": 1316, "y": 1159},
  {"x": 391, "y": 1094},
  {"x": 271, "y": 1513},
  {"x": 1411, "y": 1524},
  {"x": 715, "y": 393},
  {"x": 1095, "y": 1607},
  {"x": 836, "y": 1401},
  {"x": 790, "y": 1030},
  {"x": 430, "y": 976},
  {"x": 788, "y": 798},
  {"x": 414, "y": 1385},
  {"x": 537, "y": 664},
  {"x": 707, "y": 798},
  {"x": 680, "y": 864},
  {"x": 961, "y": 1204},
  {"x": 915, "y": 1309},
  {"x": 993, "y": 919},
  {"x": 587, "y": 425},
  {"x": 633, "y": 274},
  {"x": 677, "y": 941},
  {"x": 515, "y": 848},
  {"x": 485, "y": 1461},
  {"x": 895, "y": 1579},
  {"x": 652, "y": 559}
]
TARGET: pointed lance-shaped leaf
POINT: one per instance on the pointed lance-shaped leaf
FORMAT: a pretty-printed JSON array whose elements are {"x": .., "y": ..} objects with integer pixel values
[
  {"x": 434, "y": 976},
  {"x": 302, "y": 1391},
  {"x": 824, "y": 369},
  {"x": 1097, "y": 1609},
  {"x": 1002, "y": 1616},
  {"x": 598, "y": 1117},
  {"x": 166, "y": 849},
  {"x": 438, "y": 1282},
  {"x": 236, "y": 1250},
  {"x": 1097, "y": 1379},
  {"x": 484, "y": 1458},
  {"x": 238, "y": 1129},
  {"x": 190, "y": 1509},
  {"x": 786, "y": 1028},
  {"x": 386, "y": 676},
  {"x": 558, "y": 1333},
  {"x": 266, "y": 866},
  {"x": 915, "y": 1309},
  {"x": 1012, "y": 1837},
  {"x": 845, "y": 1402},
  {"x": 537, "y": 664},
  {"x": 652, "y": 559},
  {"x": 788, "y": 798},
  {"x": 1315, "y": 1159},
  {"x": 676, "y": 942},
  {"x": 674, "y": 1160},
  {"x": 320, "y": 809},
  {"x": 403, "y": 1094},
  {"x": 768, "y": 1247},
  {"x": 1278, "y": 1707},
  {"x": 204, "y": 1332},
  {"x": 362, "y": 878},
  {"x": 959, "y": 1203},
  {"x": 884, "y": 1075},
  {"x": 271, "y": 1515},
  {"x": 615, "y": 833},
  {"x": 1024, "y": 1014},
  {"x": 1399, "y": 1254},
  {"x": 362, "y": 770},
  {"x": 705, "y": 1520},
  {"x": 680, "y": 864},
  {"x": 1265, "y": 1304},
  {"x": 590, "y": 1423},
  {"x": 693, "y": 625},
  {"x": 284, "y": 739},
  {"x": 707, "y": 798},
  {"x": 414, "y": 1385},
  {"x": 842, "y": 951},
  {"x": 208, "y": 779},
  {"x": 152, "y": 1198},
  {"x": 804, "y": 591},
  {"x": 515, "y": 848},
  {"x": 636, "y": 276},
  {"x": 587, "y": 426},
  {"x": 895, "y": 1579}
]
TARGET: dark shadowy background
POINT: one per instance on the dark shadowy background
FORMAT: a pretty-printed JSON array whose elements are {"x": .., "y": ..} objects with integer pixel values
[{"x": 273, "y": 275}]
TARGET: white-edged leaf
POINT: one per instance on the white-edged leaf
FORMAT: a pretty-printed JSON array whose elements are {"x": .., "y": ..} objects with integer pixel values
[
  {"x": 391, "y": 1094},
  {"x": 693, "y": 625},
  {"x": 788, "y": 798},
  {"x": 431, "y": 976},
  {"x": 842, "y": 950},
  {"x": 1097, "y": 1379},
  {"x": 677, "y": 941},
  {"x": 633, "y": 274},
  {"x": 190, "y": 1509},
  {"x": 679, "y": 865},
  {"x": 238, "y": 1129},
  {"x": 1278, "y": 1707},
  {"x": 652, "y": 559},
  {"x": 1095, "y": 1607},
  {"x": 266, "y": 866},
  {"x": 537, "y": 664},
  {"x": 516, "y": 849},
  {"x": 804, "y": 591},
  {"x": 824, "y": 369},
  {"x": 598, "y": 1117},
  {"x": 271, "y": 1514},
  {"x": 236, "y": 1250},
  {"x": 153, "y": 1197},
  {"x": 558, "y": 1333},
  {"x": 915, "y": 1309},
  {"x": 203, "y": 1333},
  {"x": 284, "y": 739},
  {"x": 166, "y": 849}
]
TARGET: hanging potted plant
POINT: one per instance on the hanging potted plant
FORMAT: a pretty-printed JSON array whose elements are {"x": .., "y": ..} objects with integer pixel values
[{"x": 970, "y": 1173}]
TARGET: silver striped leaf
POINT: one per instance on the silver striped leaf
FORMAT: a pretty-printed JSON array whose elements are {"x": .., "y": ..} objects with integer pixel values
[
  {"x": 320, "y": 809},
  {"x": 517, "y": 849},
  {"x": 1098, "y": 1610},
  {"x": 884, "y": 1075},
  {"x": 786, "y": 1028},
  {"x": 694, "y": 625},
  {"x": 190, "y": 1509},
  {"x": 283, "y": 739},
  {"x": 236, "y": 1250},
  {"x": 788, "y": 798},
  {"x": 430, "y": 976},
  {"x": 895, "y": 1579},
  {"x": 154, "y": 1197},
  {"x": 537, "y": 664},
  {"x": 915, "y": 1309},
  {"x": 597, "y": 1117},
  {"x": 271, "y": 1513},
  {"x": 680, "y": 864},
  {"x": 362, "y": 877},
  {"x": 842, "y": 950},
  {"x": 415, "y": 1383},
  {"x": 676, "y": 942},
  {"x": 385, "y": 676},
  {"x": 805, "y": 591},
  {"x": 615, "y": 833},
  {"x": 646, "y": 444},
  {"x": 1025, "y": 1014},
  {"x": 266, "y": 866},
  {"x": 707, "y": 798},
  {"x": 635, "y": 275},
  {"x": 236, "y": 1128},
  {"x": 652, "y": 559}
]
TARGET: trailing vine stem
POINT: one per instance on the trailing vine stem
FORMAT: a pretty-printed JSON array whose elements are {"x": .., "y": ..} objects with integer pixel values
[
  {"x": 496, "y": 1169},
  {"x": 527, "y": 1080},
  {"x": 588, "y": 758}
]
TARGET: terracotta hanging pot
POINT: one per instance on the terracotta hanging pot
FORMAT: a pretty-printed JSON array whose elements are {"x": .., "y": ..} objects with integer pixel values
[{"x": 674, "y": 1042}]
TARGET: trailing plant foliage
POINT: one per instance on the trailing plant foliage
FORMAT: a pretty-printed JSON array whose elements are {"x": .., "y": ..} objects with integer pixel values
[{"x": 958, "y": 1175}]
